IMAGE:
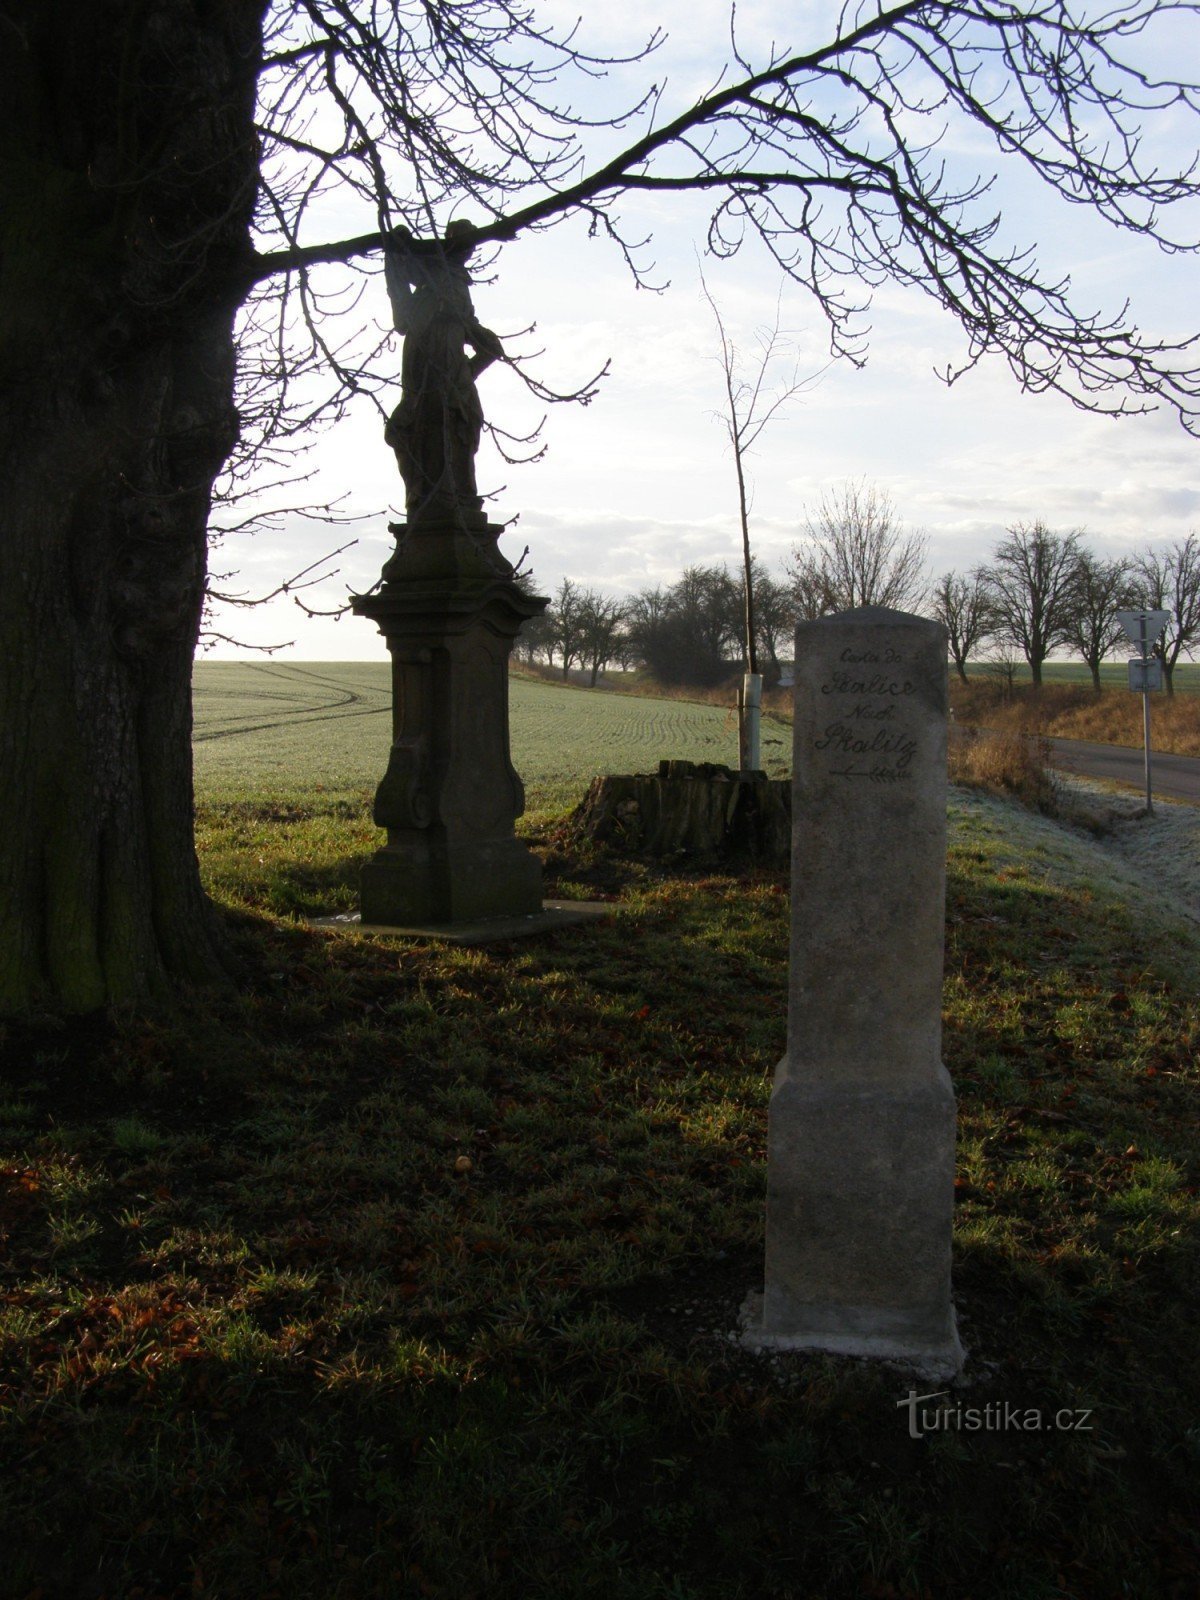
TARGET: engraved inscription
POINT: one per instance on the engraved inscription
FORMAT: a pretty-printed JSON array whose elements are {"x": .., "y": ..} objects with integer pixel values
[
  {"x": 842, "y": 739},
  {"x": 877, "y": 683},
  {"x": 868, "y": 732},
  {"x": 888, "y": 656}
]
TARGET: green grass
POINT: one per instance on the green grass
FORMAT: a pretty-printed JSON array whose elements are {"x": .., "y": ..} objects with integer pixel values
[
  {"x": 410, "y": 1270},
  {"x": 320, "y": 729},
  {"x": 288, "y": 756}
]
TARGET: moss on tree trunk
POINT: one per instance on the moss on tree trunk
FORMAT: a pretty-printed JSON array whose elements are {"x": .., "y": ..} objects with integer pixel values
[{"x": 129, "y": 173}]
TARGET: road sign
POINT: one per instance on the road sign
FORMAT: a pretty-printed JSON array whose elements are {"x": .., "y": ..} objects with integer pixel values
[
  {"x": 1145, "y": 676},
  {"x": 1143, "y": 627}
]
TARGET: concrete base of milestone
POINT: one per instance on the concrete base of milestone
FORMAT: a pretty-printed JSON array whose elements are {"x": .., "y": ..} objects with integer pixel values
[
  {"x": 860, "y": 1199},
  {"x": 482, "y": 930},
  {"x": 861, "y": 1335}
]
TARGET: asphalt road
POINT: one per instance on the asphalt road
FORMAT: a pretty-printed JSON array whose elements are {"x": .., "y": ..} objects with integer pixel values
[{"x": 1172, "y": 777}]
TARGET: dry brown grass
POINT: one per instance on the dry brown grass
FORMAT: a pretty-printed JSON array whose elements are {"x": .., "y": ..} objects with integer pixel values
[
  {"x": 1068, "y": 711},
  {"x": 1007, "y": 763}
]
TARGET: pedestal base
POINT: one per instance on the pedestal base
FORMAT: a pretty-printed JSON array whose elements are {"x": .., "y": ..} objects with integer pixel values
[
  {"x": 428, "y": 878},
  {"x": 553, "y": 916},
  {"x": 860, "y": 1199},
  {"x": 938, "y": 1362},
  {"x": 449, "y": 609}
]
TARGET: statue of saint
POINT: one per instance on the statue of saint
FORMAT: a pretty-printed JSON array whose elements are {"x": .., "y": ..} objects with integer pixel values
[{"x": 436, "y": 427}]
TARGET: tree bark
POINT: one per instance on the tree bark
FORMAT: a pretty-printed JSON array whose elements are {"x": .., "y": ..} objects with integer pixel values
[
  {"x": 130, "y": 171},
  {"x": 772, "y": 677},
  {"x": 703, "y": 811}
]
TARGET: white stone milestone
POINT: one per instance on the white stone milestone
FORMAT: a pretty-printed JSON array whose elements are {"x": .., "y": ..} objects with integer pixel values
[{"x": 861, "y": 1145}]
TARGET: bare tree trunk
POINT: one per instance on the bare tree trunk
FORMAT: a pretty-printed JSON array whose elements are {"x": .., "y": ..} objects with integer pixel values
[
  {"x": 776, "y": 670},
  {"x": 118, "y": 376},
  {"x": 102, "y": 582}
]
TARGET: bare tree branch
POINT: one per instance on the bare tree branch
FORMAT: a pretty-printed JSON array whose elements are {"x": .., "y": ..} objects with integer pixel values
[
  {"x": 858, "y": 554},
  {"x": 835, "y": 157},
  {"x": 754, "y": 397}
]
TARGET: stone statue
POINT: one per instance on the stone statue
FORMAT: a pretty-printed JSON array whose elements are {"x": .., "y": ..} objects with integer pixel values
[{"x": 436, "y": 427}]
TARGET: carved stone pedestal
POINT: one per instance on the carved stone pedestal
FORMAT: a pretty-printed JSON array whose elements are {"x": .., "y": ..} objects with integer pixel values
[{"x": 449, "y": 610}]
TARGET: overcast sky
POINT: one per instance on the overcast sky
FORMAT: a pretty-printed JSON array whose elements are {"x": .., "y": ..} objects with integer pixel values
[{"x": 640, "y": 483}]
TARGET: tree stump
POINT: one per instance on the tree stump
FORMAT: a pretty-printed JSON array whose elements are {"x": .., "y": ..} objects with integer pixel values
[{"x": 690, "y": 809}]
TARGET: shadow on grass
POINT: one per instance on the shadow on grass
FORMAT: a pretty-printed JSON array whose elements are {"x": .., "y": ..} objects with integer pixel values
[{"x": 410, "y": 1269}]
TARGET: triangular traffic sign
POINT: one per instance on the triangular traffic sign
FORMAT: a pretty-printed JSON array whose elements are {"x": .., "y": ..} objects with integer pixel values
[{"x": 1131, "y": 622}]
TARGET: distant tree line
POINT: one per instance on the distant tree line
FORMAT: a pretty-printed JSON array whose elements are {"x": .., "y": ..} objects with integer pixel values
[
  {"x": 1040, "y": 592},
  {"x": 690, "y": 632},
  {"x": 1044, "y": 591}
]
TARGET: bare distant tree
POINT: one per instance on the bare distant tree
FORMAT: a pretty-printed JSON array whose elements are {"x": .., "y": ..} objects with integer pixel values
[
  {"x": 703, "y": 625},
  {"x": 1102, "y": 588},
  {"x": 600, "y": 619},
  {"x": 962, "y": 604},
  {"x": 1169, "y": 580},
  {"x": 1031, "y": 582},
  {"x": 534, "y": 642},
  {"x": 859, "y": 554},
  {"x": 757, "y": 388},
  {"x": 566, "y": 619},
  {"x": 806, "y": 586},
  {"x": 644, "y": 615},
  {"x": 1002, "y": 664},
  {"x": 774, "y": 619},
  {"x": 536, "y": 636},
  {"x": 691, "y": 632}
]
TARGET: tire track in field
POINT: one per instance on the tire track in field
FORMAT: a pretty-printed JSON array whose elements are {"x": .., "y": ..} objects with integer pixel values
[{"x": 301, "y": 716}]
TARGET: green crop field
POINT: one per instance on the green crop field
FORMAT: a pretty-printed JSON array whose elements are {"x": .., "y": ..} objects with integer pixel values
[
  {"x": 266, "y": 727},
  {"x": 1113, "y": 674}
]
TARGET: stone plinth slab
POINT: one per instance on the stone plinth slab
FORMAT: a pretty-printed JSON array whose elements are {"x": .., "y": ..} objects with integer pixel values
[
  {"x": 552, "y": 915},
  {"x": 861, "y": 1143},
  {"x": 432, "y": 876}
]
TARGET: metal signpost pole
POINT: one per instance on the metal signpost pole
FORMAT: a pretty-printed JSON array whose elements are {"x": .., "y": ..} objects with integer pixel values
[{"x": 1143, "y": 628}]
